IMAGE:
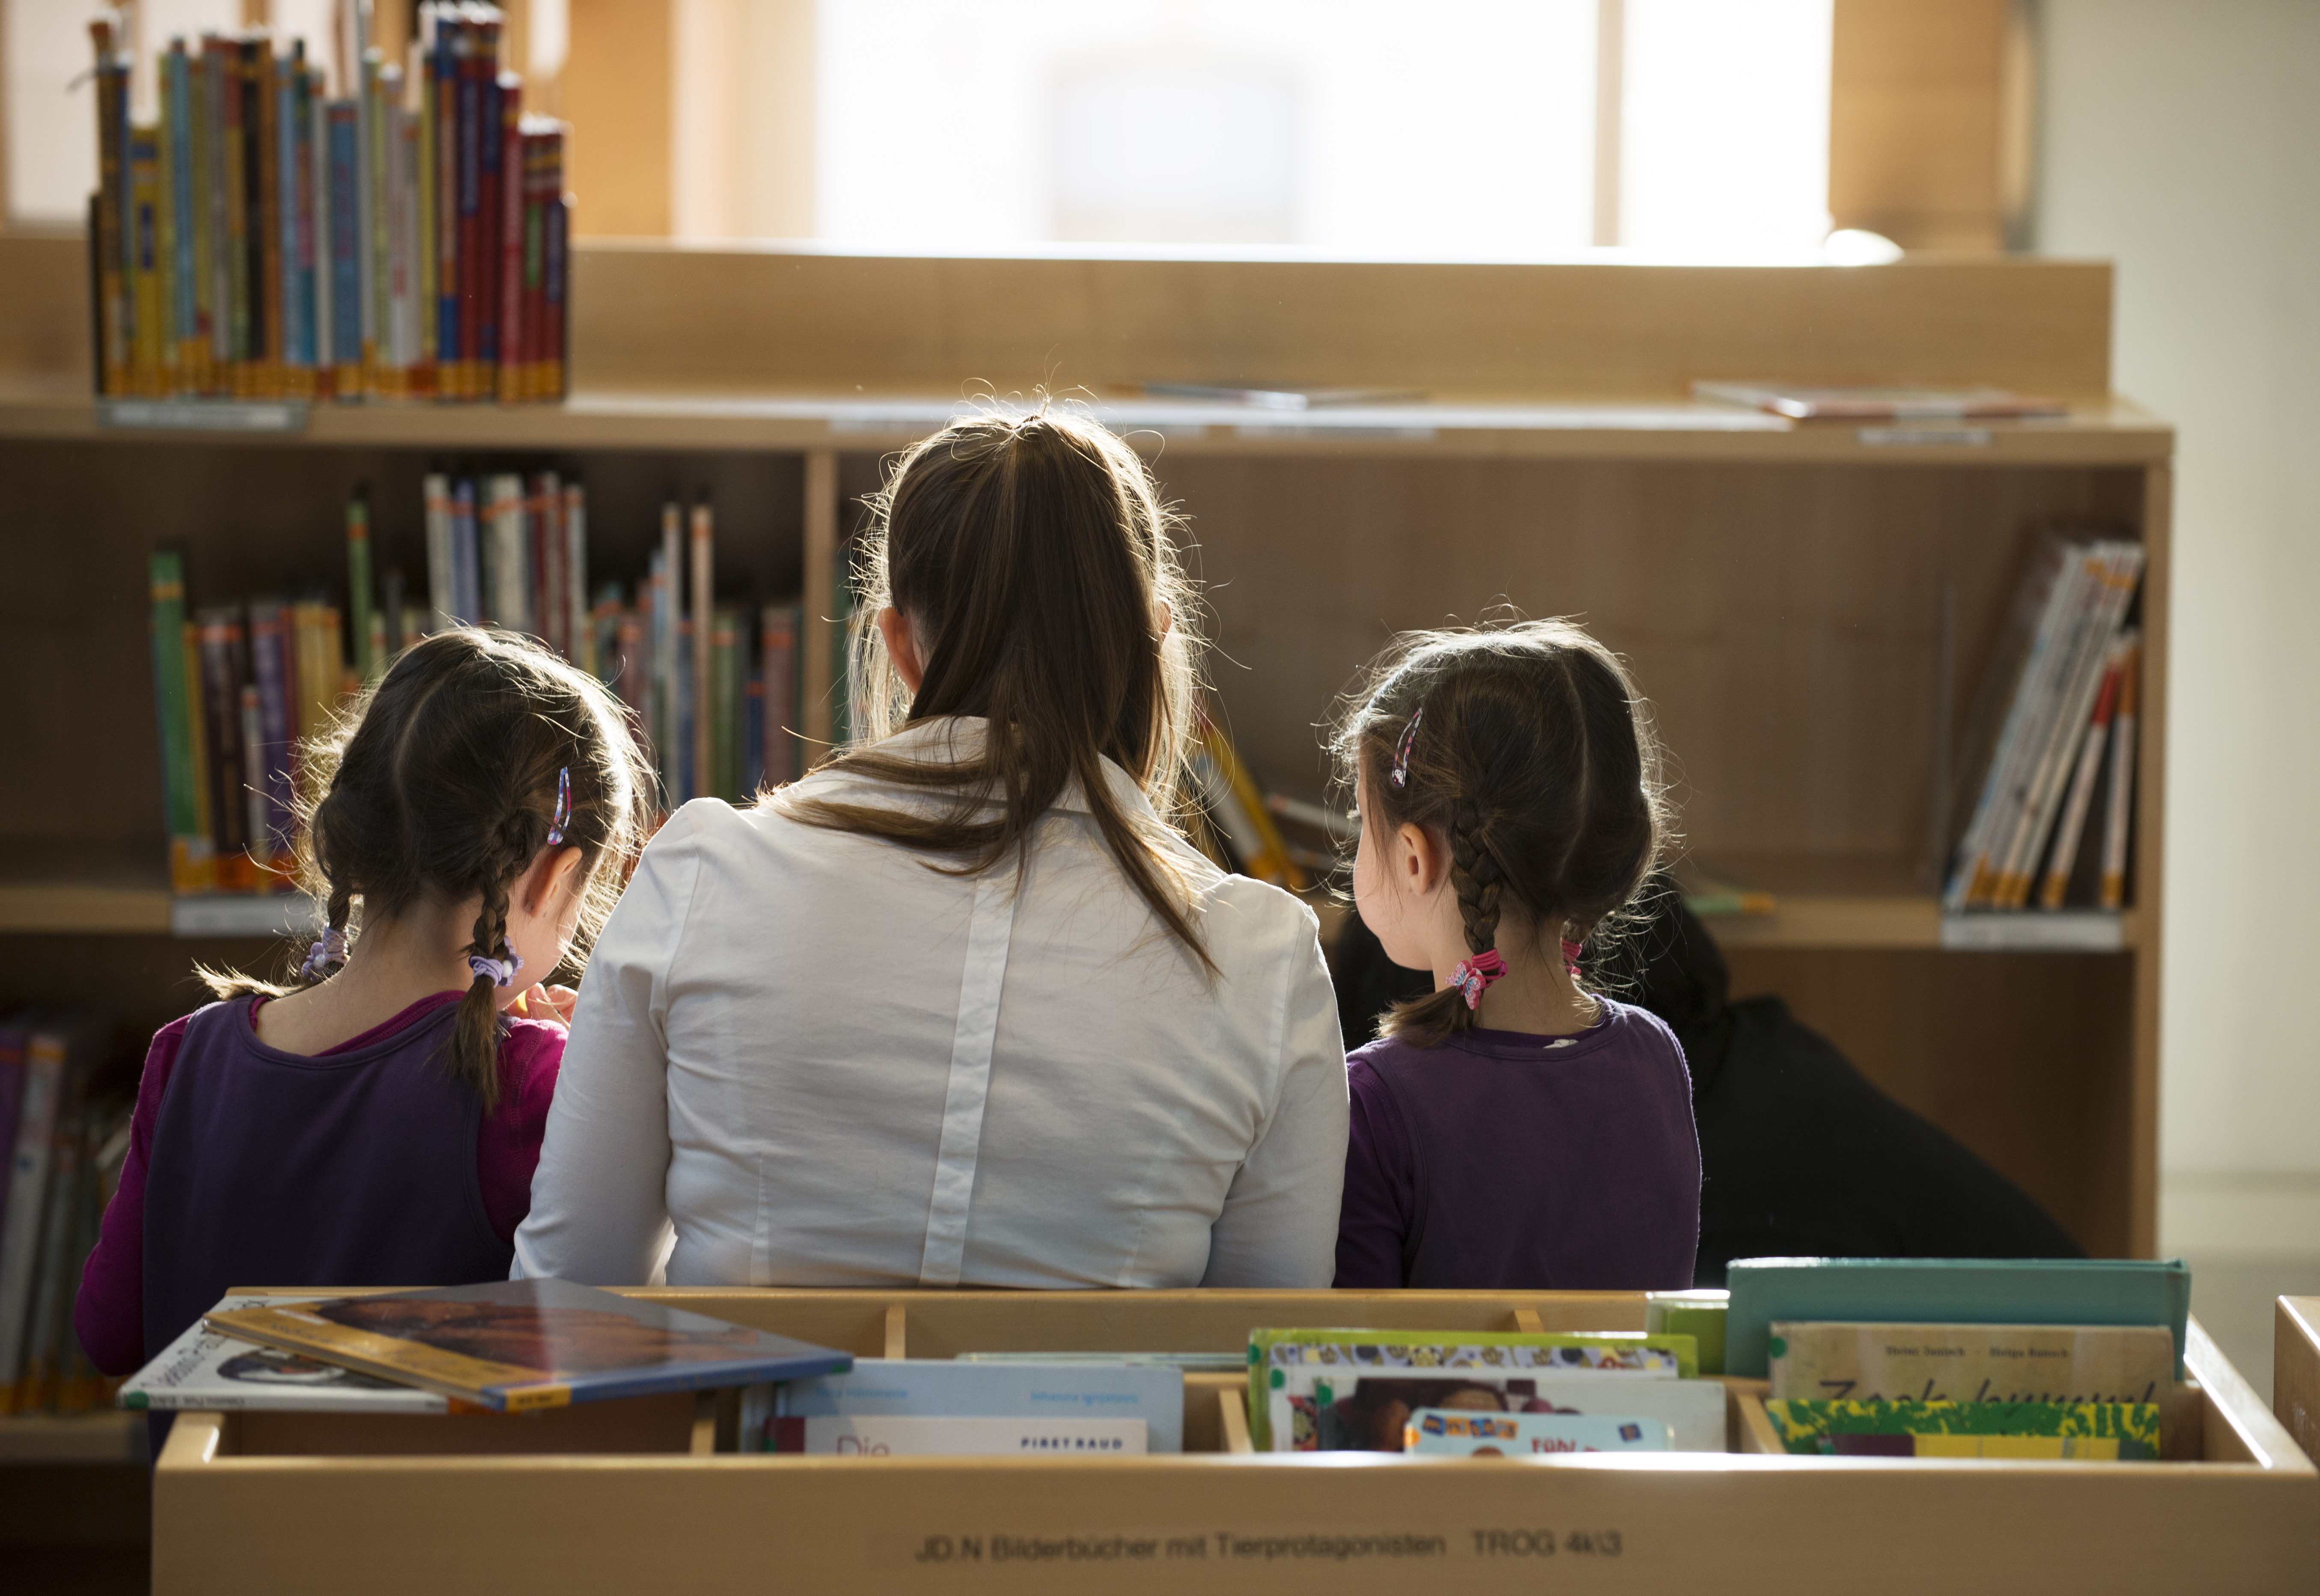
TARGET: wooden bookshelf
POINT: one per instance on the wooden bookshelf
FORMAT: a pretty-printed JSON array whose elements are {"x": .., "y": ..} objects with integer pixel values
[{"x": 1810, "y": 607}]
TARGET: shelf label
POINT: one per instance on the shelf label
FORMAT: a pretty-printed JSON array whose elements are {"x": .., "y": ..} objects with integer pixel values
[
  {"x": 201, "y": 415},
  {"x": 2035, "y": 930},
  {"x": 1925, "y": 437}
]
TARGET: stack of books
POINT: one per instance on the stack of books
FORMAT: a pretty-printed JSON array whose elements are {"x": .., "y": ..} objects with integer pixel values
[
  {"x": 2073, "y": 1360},
  {"x": 241, "y": 687},
  {"x": 264, "y": 241},
  {"x": 2050, "y": 821},
  {"x": 64, "y": 1146}
]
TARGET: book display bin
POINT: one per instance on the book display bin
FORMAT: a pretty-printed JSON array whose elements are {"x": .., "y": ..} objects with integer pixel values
[{"x": 648, "y": 1493}]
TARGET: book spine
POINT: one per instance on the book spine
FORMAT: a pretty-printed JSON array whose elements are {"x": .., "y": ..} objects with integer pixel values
[
  {"x": 441, "y": 595},
  {"x": 625, "y": 661},
  {"x": 753, "y": 735},
  {"x": 466, "y": 556},
  {"x": 2119, "y": 810},
  {"x": 222, "y": 655},
  {"x": 189, "y": 72},
  {"x": 321, "y": 218},
  {"x": 558, "y": 383},
  {"x": 470, "y": 112},
  {"x": 509, "y": 574},
  {"x": 444, "y": 75},
  {"x": 106, "y": 243},
  {"x": 275, "y": 674},
  {"x": 147, "y": 311},
  {"x": 779, "y": 645},
  {"x": 704, "y": 622},
  {"x": 198, "y": 742},
  {"x": 359, "y": 588},
  {"x": 2065, "y": 851},
  {"x": 301, "y": 198},
  {"x": 424, "y": 291},
  {"x": 177, "y": 217},
  {"x": 345, "y": 250},
  {"x": 253, "y": 790},
  {"x": 188, "y": 850},
  {"x": 575, "y": 578},
  {"x": 537, "y": 198},
  {"x": 369, "y": 153},
  {"x": 544, "y": 508},
  {"x": 692, "y": 651},
  {"x": 270, "y": 349},
  {"x": 723, "y": 778},
  {"x": 508, "y": 242},
  {"x": 217, "y": 80},
  {"x": 668, "y": 599}
]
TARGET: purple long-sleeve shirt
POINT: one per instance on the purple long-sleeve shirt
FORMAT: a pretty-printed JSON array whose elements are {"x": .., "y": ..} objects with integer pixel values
[
  {"x": 1504, "y": 1161},
  {"x": 109, "y": 1314}
]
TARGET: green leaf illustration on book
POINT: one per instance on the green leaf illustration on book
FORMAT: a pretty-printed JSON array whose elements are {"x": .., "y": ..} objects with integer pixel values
[{"x": 2093, "y": 1431}]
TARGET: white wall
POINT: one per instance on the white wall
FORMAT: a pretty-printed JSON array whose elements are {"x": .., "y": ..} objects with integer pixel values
[{"x": 2183, "y": 143}]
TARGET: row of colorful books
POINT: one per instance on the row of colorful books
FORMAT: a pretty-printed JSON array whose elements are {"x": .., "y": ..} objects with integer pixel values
[
  {"x": 240, "y": 687},
  {"x": 2052, "y": 819},
  {"x": 64, "y": 1146},
  {"x": 262, "y": 239}
]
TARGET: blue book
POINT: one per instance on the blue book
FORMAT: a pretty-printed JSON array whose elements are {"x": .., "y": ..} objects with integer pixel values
[
  {"x": 346, "y": 237},
  {"x": 931, "y": 1388},
  {"x": 519, "y": 1345},
  {"x": 1948, "y": 1290}
]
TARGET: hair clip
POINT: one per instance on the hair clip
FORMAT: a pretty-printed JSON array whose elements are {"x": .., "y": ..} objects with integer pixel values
[
  {"x": 1570, "y": 957},
  {"x": 330, "y": 950},
  {"x": 1401, "y": 749},
  {"x": 1473, "y": 974},
  {"x": 563, "y": 806},
  {"x": 499, "y": 972}
]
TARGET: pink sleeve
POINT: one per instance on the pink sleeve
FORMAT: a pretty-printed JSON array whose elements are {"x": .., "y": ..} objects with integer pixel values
[
  {"x": 109, "y": 1315},
  {"x": 507, "y": 1143}
]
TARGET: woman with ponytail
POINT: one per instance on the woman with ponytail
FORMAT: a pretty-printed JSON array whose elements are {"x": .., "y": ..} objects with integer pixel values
[
  {"x": 1511, "y": 1129},
  {"x": 962, "y": 1007},
  {"x": 374, "y": 1119}
]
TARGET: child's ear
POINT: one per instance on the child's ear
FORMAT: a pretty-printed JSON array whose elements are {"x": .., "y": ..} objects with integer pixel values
[
  {"x": 1420, "y": 862},
  {"x": 551, "y": 875}
]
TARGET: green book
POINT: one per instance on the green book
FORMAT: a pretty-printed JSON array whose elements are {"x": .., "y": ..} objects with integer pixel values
[
  {"x": 1948, "y": 1290},
  {"x": 2102, "y": 1432},
  {"x": 1698, "y": 1314},
  {"x": 189, "y": 843}
]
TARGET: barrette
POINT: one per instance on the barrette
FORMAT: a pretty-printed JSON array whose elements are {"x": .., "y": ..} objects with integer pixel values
[
  {"x": 499, "y": 972},
  {"x": 563, "y": 807},
  {"x": 1473, "y": 974},
  {"x": 1401, "y": 749},
  {"x": 330, "y": 950}
]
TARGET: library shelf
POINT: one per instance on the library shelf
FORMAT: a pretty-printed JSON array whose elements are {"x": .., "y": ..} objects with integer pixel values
[
  {"x": 1807, "y": 606},
  {"x": 241, "y": 1496},
  {"x": 2296, "y": 1370}
]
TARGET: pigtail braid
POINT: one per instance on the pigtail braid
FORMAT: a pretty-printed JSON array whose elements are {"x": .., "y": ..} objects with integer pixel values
[
  {"x": 476, "y": 1036},
  {"x": 1474, "y": 871},
  {"x": 330, "y": 955}
]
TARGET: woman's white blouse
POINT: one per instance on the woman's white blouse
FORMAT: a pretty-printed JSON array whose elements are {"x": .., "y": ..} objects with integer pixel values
[{"x": 826, "y": 1064}]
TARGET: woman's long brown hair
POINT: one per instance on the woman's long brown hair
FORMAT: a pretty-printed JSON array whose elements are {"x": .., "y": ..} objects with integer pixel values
[{"x": 1031, "y": 558}]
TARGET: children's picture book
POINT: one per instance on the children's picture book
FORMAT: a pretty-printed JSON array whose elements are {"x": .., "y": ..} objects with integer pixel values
[
  {"x": 1879, "y": 405},
  {"x": 937, "y": 1388},
  {"x": 1698, "y": 1314},
  {"x": 1350, "y": 1408},
  {"x": 1971, "y": 1363},
  {"x": 1189, "y": 1363},
  {"x": 2099, "y": 1432},
  {"x": 517, "y": 1345},
  {"x": 208, "y": 1370},
  {"x": 1450, "y": 1433},
  {"x": 1279, "y": 1359},
  {"x": 863, "y": 1435},
  {"x": 1948, "y": 1290}
]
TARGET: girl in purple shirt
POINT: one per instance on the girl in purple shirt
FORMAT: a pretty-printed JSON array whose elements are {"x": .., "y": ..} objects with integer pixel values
[
  {"x": 1512, "y": 1130},
  {"x": 376, "y": 1120}
]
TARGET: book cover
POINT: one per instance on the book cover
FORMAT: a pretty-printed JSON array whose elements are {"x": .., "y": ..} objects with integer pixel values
[
  {"x": 925, "y": 1388},
  {"x": 208, "y": 1370},
  {"x": 1971, "y": 1363},
  {"x": 517, "y": 1345},
  {"x": 1949, "y": 1290},
  {"x": 1700, "y": 1314},
  {"x": 2103, "y": 1432},
  {"x": 1450, "y": 1433},
  {"x": 850, "y": 1435},
  {"x": 1320, "y": 1409}
]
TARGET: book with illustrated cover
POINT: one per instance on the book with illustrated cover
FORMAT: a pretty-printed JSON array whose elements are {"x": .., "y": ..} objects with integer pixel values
[
  {"x": 853, "y": 1435},
  {"x": 1320, "y": 1409},
  {"x": 517, "y": 1344},
  {"x": 2097, "y": 1432},
  {"x": 209, "y": 1370},
  {"x": 1949, "y": 1290},
  {"x": 929, "y": 1388},
  {"x": 1700, "y": 1314},
  {"x": 1453, "y": 1434},
  {"x": 1971, "y": 1363}
]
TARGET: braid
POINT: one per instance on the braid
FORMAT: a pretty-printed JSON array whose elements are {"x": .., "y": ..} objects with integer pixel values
[
  {"x": 475, "y": 1038},
  {"x": 1474, "y": 871},
  {"x": 330, "y": 955}
]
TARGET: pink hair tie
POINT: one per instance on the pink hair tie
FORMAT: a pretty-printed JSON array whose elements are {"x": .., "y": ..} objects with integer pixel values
[
  {"x": 1475, "y": 973},
  {"x": 1571, "y": 951}
]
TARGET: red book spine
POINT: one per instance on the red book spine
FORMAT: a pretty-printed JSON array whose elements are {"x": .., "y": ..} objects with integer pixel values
[{"x": 511, "y": 240}]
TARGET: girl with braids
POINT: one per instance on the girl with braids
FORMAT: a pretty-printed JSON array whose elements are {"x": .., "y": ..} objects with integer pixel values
[
  {"x": 375, "y": 1120},
  {"x": 1512, "y": 1130},
  {"x": 962, "y": 1007}
]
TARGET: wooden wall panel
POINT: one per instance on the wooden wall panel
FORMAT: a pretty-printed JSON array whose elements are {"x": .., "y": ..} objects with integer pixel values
[
  {"x": 1928, "y": 120},
  {"x": 615, "y": 90}
]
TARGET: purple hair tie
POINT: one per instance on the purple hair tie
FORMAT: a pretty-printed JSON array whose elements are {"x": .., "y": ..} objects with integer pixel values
[
  {"x": 500, "y": 972},
  {"x": 332, "y": 949},
  {"x": 1401, "y": 751},
  {"x": 563, "y": 809}
]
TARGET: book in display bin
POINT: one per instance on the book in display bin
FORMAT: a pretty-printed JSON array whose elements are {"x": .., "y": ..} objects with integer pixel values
[
  {"x": 851, "y": 1435},
  {"x": 520, "y": 1345},
  {"x": 2094, "y": 1432},
  {"x": 1971, "y": 1363},
  {"x": 1451, "y": 1433},
  {"x": 1949, "y": 1292},
  {"x": 207, "y": 1370},
  {"x": 1151, "y": 1395}
]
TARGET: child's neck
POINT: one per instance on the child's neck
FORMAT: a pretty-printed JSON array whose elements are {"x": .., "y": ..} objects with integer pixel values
[
  {"x": 1536, "y": 996},
  {"x": 391, "y": 966}
]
